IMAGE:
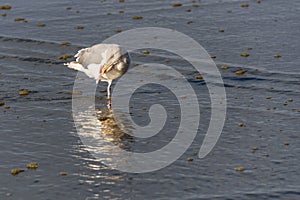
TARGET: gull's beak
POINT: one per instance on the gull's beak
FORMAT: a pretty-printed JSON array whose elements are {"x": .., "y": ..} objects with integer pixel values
[{"x": 105, "y": 69}]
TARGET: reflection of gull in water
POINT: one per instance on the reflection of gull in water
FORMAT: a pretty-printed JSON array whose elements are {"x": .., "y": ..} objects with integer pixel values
[
  {"x": 102, "y": 134},
  {"x": 103, "y": 62}
]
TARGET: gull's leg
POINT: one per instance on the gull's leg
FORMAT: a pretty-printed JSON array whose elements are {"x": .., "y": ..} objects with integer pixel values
[
  {"x": 108, "y": 95},
  {"x": 108, "y": 89}
]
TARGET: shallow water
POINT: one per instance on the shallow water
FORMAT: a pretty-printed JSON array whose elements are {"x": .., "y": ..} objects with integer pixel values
[{"x": 39, "y": 127}]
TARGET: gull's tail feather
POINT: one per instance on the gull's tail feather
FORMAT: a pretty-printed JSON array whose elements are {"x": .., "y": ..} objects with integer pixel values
[
  {"x": 75, "y": 65},
  {"x": 92, "y": 71}
]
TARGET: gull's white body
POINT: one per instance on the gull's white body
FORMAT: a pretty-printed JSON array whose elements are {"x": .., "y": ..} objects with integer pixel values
[{"x": 102, "y": 62}]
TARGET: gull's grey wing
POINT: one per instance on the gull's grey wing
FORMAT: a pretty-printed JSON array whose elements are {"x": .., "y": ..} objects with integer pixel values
[{"x": 96, "y": 54}]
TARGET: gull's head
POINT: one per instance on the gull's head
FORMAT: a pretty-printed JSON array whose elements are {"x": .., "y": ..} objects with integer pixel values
[{"x": 122, "y": 64}]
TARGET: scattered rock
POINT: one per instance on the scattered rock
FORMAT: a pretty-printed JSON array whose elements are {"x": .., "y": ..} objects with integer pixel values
[
  {"x": 146, "y": 52},
  {"x": 63, "y": 173},
  {"x": 241, "y": 124},
  {"x": 118, "y": 30},
  {"x": 198, "y": 77},
  {"x": 2, "y": 103},
  {"x": 183, "y": 97},
  {"x": 224, "y": 67},
  {"x": 6, "y": 7},
  {"x": 40, "y": 25},
  {"x": 65, "y": 43},
  {"x": 79, "y": 27},
  {"x": 32, "y": 165},
  {"x": 277, "y": 56},
  {"x": 65, "y": 57},
  {"x": 244, "y": 54},
  {"x": 15, "y": 172},
  {"x": 24, "y": 92},
  {"x": 19, "y": 19},
  {"x": 176, "y": 4},
  {"x": 254, "y": 149},
  {"x": 190, "y": 159},
  {"x": 136, "y": 17},
  {"x": 286, "y": 143},
  {"x": 240, "y": 72},
  {"x": 244, "y": 5},
  {"x": 239, "y": 169}
]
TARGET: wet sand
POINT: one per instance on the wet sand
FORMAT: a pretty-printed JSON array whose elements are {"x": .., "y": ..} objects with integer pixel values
[{"x": 39, "y": 127}]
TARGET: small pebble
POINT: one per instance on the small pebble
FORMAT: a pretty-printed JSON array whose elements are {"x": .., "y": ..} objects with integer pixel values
[
  {"x": 286, "y": 143},
  {"x": 2, "y": 103},
  {"x": 32, "y": 165},
  {"x": 176, "y": 4},
  {"x": 268, "y": 97},
  {"x": 15, "y": 172},
  {"x": 24, "y": 92},
  {"x": 244, "y": 54},
  {"x": 4, "y": 14},
  {"x": 190, "y": 159},
  {"x": 19, "y": 19},
  {"x": 40, "y": 25},
  {"x": 239, "y": 169},
  {"x": 79, "y": 27},
  {"x": 245, "y": 5},
  {"x": 198, "y": 77},
  {"x": 146, "y": 52},
  {"x": 183, "y": 97},
  {"x": 277, "y": 56},
  {"x": 118, "y": 30},
  {"x": 224, "y": 67},
  {"x": 254, "y": 149},
  {"x": 63, "y": 173},
  {"x": 6, "y": 7},
  {"x": 136, "y": 17},
  {"x": 213, "y": 57},
  {"x": 221, "y": 30},
  {"x": 241, "y": 124},
  {"x": 65, "y": 57},
  {"x": 65, "y": 43},
  {"x": 240, "y": 72}
]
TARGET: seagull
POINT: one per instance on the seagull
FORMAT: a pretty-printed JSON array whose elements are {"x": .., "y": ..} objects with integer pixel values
[{"x": 103, "y": 62}]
